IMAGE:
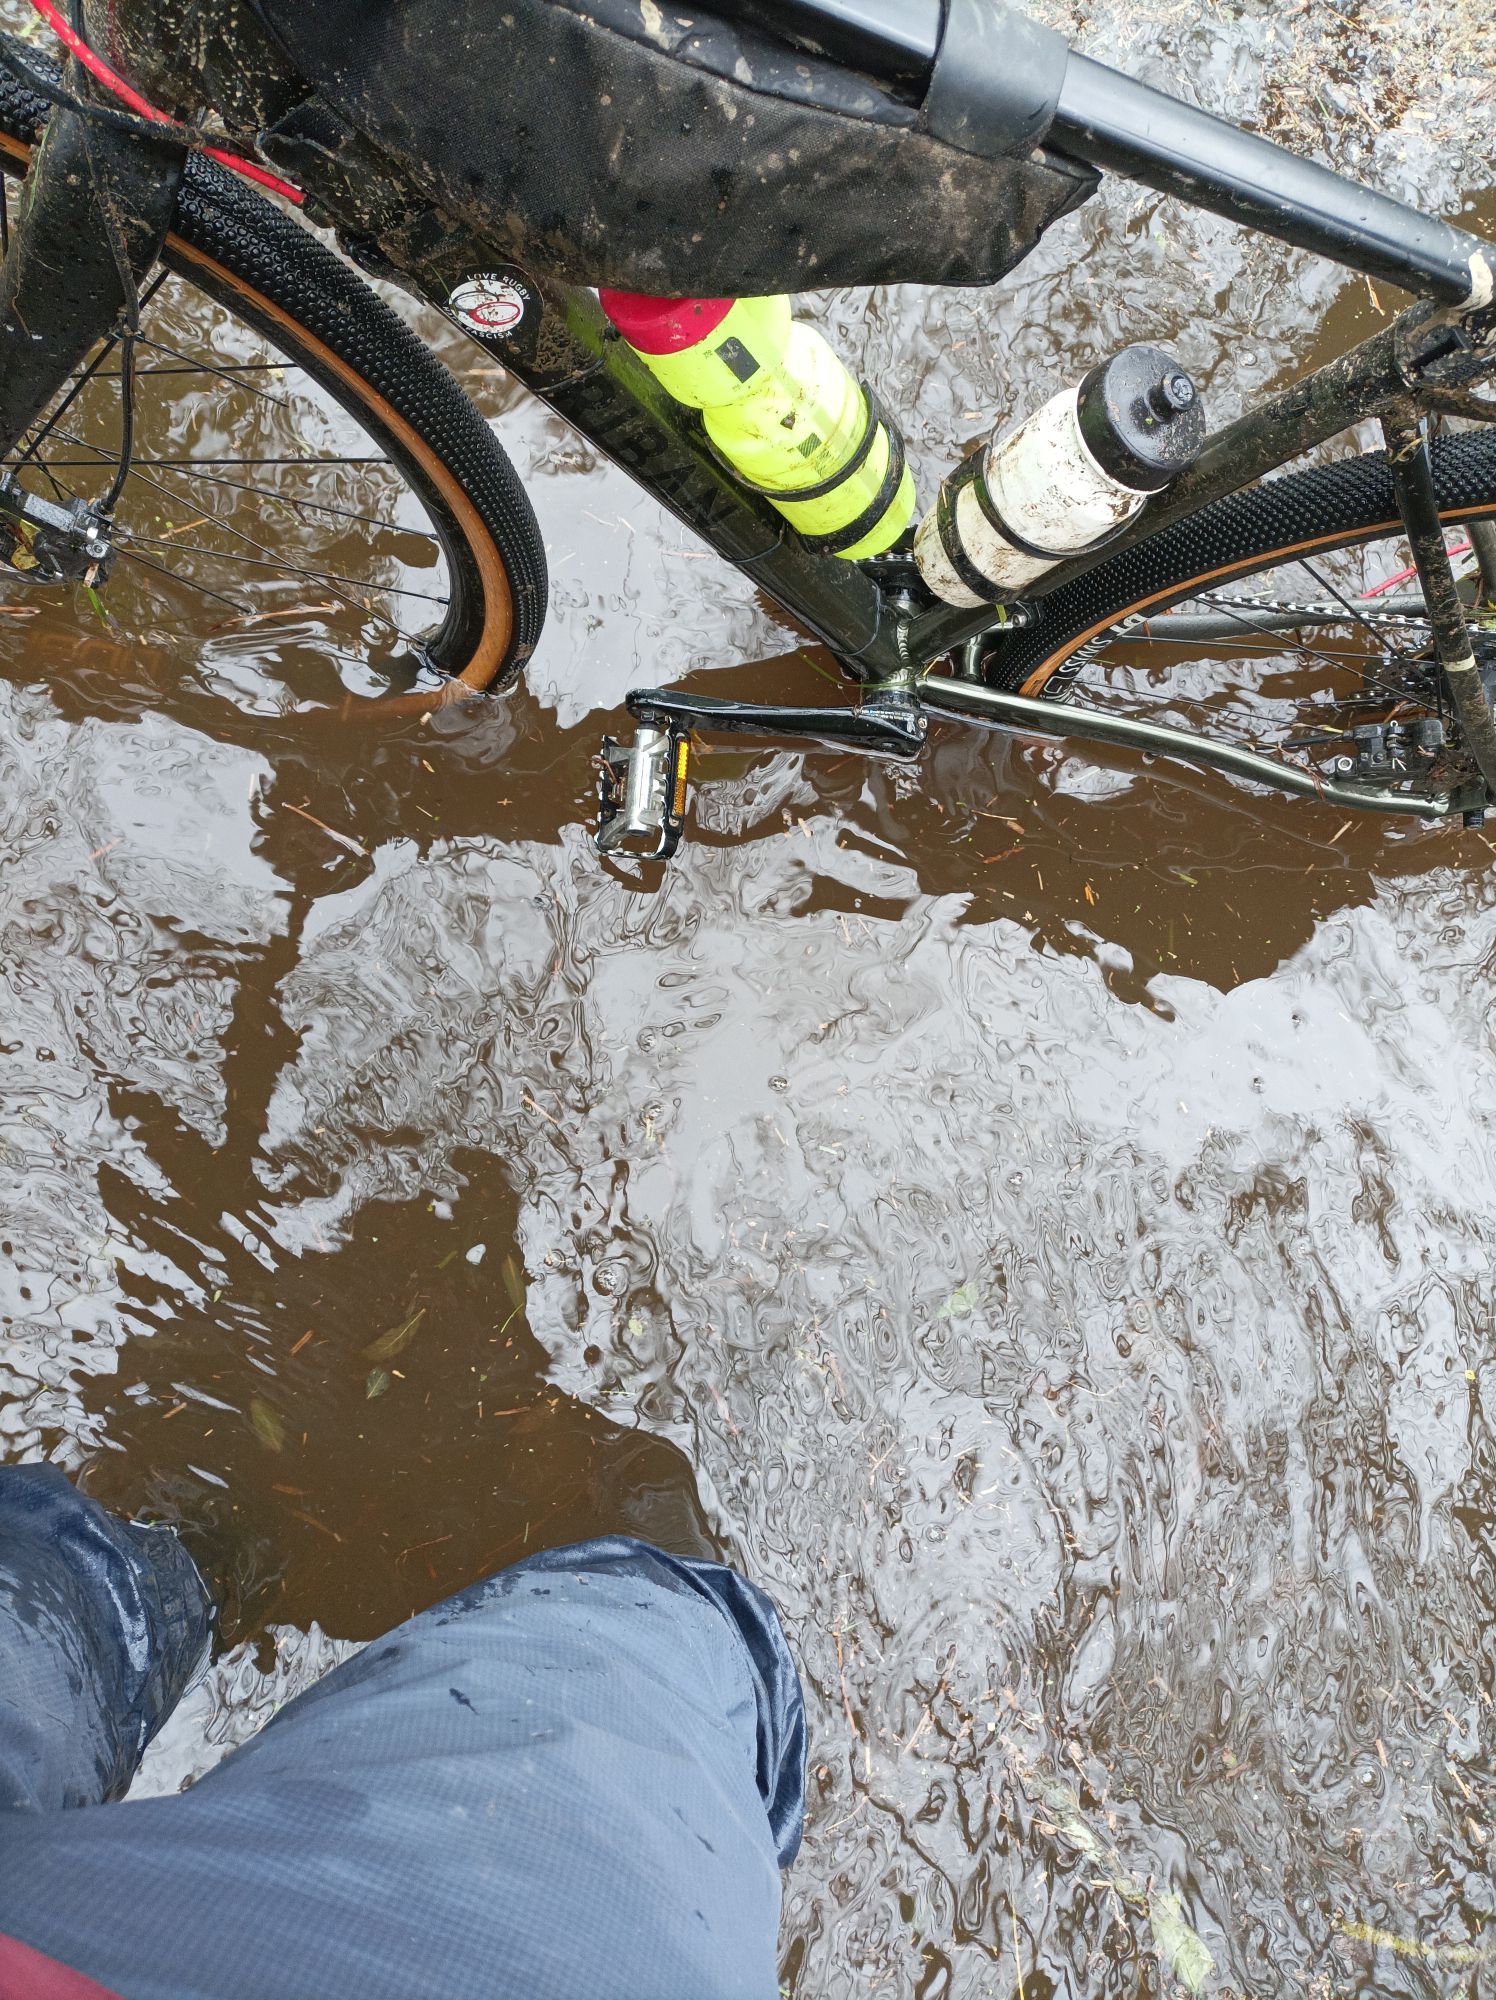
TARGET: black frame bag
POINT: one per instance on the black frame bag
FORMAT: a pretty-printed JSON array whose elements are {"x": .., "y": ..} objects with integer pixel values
[{"x": 617, "y": 142}]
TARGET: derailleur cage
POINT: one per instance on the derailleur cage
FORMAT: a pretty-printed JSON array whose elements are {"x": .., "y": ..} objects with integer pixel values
[
  {"x": 52, "y": 541},
  {"x": 642, "y": 787}
]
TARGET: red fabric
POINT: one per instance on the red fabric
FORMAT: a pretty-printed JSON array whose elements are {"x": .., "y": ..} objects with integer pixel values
[
  {"x": 28, "y": 1975},
  {"x": 663, "y": 326}
]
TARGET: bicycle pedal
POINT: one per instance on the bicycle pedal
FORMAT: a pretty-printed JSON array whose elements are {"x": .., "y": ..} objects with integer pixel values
[{"x": 641, "y": 793}]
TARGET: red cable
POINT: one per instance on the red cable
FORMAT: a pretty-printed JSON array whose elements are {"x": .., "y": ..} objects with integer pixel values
[
  {"x": 1459, "y": 549},
  {"x": 97, "y": 67}
]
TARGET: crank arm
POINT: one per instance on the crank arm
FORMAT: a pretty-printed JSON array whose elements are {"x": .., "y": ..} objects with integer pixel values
[
  {"x": 641, "y": 794},
  {"x": 889, "y": 723}
]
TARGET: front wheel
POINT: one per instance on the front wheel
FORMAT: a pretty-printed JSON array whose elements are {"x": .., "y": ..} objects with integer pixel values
[
  {"x": 312, "y": 499},
  {"x": 1286, "y": 619}
]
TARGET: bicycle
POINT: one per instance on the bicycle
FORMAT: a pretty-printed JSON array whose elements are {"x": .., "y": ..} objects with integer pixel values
[{"x": 1400, "y": 722}]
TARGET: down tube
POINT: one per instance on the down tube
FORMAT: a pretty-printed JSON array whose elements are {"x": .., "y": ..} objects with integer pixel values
[{"x": 556, "y": 340}]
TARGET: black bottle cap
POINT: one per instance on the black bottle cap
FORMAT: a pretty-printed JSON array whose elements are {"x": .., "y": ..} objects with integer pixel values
[{"x": 1141, "y": 417}]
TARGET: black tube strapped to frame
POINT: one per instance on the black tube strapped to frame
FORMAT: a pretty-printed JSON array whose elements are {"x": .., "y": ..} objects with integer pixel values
[
  {"x": 1000, "y": 83},
  {"x": 997, "y": 81},
  {"x": 1114, "y": 122}
]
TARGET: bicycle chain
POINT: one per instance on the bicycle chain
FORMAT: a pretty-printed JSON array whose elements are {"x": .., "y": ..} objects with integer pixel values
[{"x": 1201, "y": 606}]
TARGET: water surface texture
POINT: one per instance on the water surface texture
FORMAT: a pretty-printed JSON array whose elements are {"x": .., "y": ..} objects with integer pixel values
[{"x": 1035, "y": 1215}]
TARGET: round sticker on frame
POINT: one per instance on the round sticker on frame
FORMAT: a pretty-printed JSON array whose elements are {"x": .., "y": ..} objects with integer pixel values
[{"x": 490, "y": 304}]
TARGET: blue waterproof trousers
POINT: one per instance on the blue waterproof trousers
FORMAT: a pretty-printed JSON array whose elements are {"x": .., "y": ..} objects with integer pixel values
[{"x": 577, "y": 1780}]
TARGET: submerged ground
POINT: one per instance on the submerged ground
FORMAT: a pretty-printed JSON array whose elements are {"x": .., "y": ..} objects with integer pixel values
[{"x": 1039, "y": 1219}]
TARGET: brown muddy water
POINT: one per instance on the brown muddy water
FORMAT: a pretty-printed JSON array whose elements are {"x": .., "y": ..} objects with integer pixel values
[{"x": 1037, "y": 1218}]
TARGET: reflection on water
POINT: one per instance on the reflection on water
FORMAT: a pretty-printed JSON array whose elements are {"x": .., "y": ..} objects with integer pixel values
[{"x": 1040, "y": 1223}]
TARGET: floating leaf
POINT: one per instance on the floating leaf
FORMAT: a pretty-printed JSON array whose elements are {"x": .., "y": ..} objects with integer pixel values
[
  {"x": 267, "y": 1424},
  {"x": 960, "y": 1302},
  {"x": 1071, "y": 1825},
  {"x": 395, "y": 1340},
  {"x": 376, "y": 1385},
  {"x": 1180, "y": 1948}
]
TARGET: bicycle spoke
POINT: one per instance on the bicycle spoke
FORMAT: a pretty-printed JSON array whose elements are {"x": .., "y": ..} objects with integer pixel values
[
  {"x": 1264, "y": 644},
  {"x": 258, "y": 492},
  {"x": 175, "y": 576},
  {"x": 210, "y": 368},
  {"x": 239, "y": 533},
  {"x": 1325, "y": 584},
  {"x": 318, "y": 507},
  {"x": 87, "y": 376},
  {"x": 219, "y": 368},
  {"x": 288, "y": 570},
  {"x": 1314, "y": 653},
  {"x": 191, "y": 463},
  {"x": 284, "y": 568},
  {"x": 1349, "y": 662}
]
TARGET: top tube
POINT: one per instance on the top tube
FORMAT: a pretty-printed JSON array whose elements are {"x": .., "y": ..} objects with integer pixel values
[{"x": 1109, "y": 120}]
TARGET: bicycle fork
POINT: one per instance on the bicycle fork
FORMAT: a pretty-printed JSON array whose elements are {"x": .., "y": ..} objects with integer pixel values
[{"x": 93, "y": 218}]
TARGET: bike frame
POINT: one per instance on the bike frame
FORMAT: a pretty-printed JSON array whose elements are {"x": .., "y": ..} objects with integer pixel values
[
  {"x": 566, "y": 352},
  {"x": 572, "y": 360},
  {"x": 874, "y": 617}
]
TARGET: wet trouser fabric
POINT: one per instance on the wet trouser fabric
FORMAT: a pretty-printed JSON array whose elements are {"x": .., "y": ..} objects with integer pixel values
[{"x": 578, "y": 1778}]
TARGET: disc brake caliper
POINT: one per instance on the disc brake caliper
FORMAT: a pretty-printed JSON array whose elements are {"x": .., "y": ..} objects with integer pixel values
[{"x": 52, "y": 541}]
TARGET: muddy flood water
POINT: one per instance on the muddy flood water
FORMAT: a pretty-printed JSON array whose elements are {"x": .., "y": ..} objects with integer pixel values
[{"x": 1036, "y": 1216}]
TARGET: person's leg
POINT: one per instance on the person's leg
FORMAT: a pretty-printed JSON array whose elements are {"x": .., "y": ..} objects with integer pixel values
[
  {"x": 580, "y": 1777},
  {"x": 101, "y": 1625}
]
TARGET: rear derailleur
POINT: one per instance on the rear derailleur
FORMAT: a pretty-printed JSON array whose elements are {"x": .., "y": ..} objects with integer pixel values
[
  {"x": 642, "y": 786},
  {"x": 52, "y": 541}
]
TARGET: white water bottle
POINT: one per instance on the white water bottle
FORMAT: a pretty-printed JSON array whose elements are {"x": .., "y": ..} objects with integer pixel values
[{"x": 1062, "y": 480}]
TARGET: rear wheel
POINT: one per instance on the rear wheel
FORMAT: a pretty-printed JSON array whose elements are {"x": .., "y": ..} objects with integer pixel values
[
  {"x": 1285, "y": 619},
  {"x": 312, "y": 503}
]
